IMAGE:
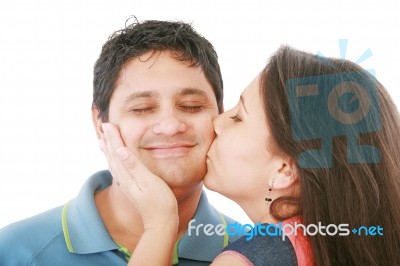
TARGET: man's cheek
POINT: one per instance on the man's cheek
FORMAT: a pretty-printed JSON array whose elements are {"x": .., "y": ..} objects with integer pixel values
[
  {"x": 209, "y": 139},
  {"x": 130, "y": 136},
  {"x": 207, "y": 129}
]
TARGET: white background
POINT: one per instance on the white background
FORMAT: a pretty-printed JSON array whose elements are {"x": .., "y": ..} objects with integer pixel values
[{"x": 48, "y": 47}]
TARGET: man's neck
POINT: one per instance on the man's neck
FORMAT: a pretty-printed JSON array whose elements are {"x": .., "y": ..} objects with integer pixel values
[
  {"x": 123, "y": 222},
  {"x": 187, "y": 206}
]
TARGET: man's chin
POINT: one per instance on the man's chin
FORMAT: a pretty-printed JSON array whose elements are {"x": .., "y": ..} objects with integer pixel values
[{"x": 178, "y": 177}]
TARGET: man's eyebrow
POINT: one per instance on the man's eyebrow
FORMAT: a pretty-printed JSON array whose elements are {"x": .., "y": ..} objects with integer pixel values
[
  {"x": 136, "y": 95},
  {"x": 192, "y": 91},
  {"x": 244, "y": 106}
]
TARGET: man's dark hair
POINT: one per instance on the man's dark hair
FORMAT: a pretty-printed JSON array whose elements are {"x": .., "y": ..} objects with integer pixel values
[{"x": 139, "y": 38}]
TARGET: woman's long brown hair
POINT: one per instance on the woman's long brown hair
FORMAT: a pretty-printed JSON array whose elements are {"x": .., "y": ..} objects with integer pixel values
[{"x": 358, "y": 194}]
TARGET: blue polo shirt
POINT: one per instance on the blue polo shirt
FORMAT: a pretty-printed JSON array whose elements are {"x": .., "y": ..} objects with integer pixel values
[{"x": 74, "y": 234}]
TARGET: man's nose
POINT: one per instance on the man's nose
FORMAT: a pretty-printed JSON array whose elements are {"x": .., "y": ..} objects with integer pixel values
[{"x": 169, "y": 124}]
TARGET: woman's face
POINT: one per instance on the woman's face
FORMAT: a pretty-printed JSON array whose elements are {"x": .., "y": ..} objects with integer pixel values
[{"x": 239, "y": 162}]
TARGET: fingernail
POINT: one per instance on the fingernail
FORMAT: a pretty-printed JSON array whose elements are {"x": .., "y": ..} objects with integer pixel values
[{"x": 122, "y": 153}]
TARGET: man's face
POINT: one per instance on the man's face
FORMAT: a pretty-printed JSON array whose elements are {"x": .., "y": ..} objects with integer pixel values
[{"x": 164, "y": 111}]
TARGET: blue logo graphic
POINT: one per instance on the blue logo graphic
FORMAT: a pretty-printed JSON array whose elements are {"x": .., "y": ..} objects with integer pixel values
[{"x": 327, "y": 106}]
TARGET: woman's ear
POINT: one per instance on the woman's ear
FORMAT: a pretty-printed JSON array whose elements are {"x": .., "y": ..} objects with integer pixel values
[
  {"x": 97, "y": 122},
  {"x": 285, "y": 177}
]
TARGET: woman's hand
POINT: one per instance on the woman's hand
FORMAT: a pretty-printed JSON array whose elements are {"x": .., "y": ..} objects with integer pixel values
[{"x": 150, "y": 195}]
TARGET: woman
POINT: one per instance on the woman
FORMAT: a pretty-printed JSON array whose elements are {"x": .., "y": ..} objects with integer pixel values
[{"x": 312, "y": 141}]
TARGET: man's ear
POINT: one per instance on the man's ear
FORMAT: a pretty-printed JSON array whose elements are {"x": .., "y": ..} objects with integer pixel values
[
  {"x": 285, "y": 177},
  {"x": 97, "y": 122}
]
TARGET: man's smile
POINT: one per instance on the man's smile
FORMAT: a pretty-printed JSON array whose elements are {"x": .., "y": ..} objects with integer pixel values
[{"x": 164, "y": 150}]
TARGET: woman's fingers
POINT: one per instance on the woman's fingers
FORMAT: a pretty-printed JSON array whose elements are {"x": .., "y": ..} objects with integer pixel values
[
  {"x": 148, "y": 192},
  {"x": 122, "y": 162},
  {"x": 125, "y": 163}
]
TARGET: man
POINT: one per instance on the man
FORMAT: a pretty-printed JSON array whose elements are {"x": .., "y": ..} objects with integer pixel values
[{"x": 160, "y": 84}]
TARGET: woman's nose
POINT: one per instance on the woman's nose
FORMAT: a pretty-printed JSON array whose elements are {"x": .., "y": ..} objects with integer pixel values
[{"x": 218, "y": 123}]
